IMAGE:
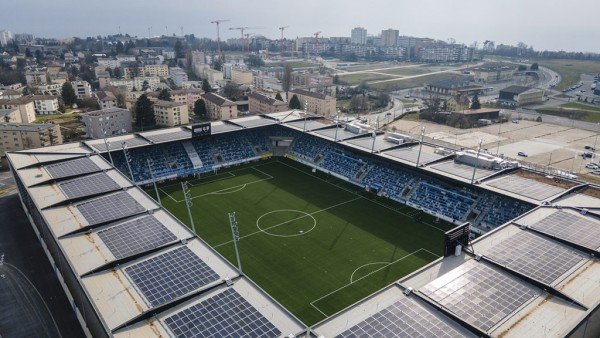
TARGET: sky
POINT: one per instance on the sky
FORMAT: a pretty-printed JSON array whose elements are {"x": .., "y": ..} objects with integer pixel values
[{"x": 545, "y": 25}]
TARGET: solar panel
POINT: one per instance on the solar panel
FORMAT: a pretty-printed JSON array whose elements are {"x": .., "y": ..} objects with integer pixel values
[
  {"x": 478, "y": 294},
  {"x": 75, "y": 167},
  {"x": 171, "y": 136},
  {"x": 226, "y": 314},
  {"x": 170, "y": 275},
  {"x": 88, "y": 185},
  {"x": 571, "y": 227},
  {"x": 136, "y": 236},
  {"x": 109, "y": 208},
  {"x": 404, "y": 318},
  {"x": 462, "y": 170},
  {"x": 534, "y": 256},
  {"x": 118, "y": 144},
  {"x": 411, "y": 155},
  {"x": 526, "y": 187}
]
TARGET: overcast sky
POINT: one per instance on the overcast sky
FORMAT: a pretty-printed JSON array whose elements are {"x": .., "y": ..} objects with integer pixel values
[{"x": 548, "y": 24}]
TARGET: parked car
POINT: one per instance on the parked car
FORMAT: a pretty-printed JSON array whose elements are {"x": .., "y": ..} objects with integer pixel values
[
  {"x": 515, "y": 121},
  {"x": 522, "y": 154},
  {"x": 587, "y": 155},
  {"x": 590, "y": 148},
  {"x": 592, "y": 166},
  {"x": 596, "y": 172}
]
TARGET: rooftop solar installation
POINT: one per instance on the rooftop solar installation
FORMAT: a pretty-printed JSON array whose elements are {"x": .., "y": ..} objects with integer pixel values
[
  {"x": 404, "y": 318},
  {"x": 135, "y": 236},
  {"x": 462, "y": 170},
  {"x": 226, "y": 314},
  {"x": 88, "y": 185},
  {"x": 411, "y": 155},
  {"x": 109, "y": 208},
  {"x": 571, "y": 227},
  {"x": 74, "y": 167},
  {"x": 118, "y": 144},
  {"x": 167, "y": 276},
  {"x": 170, "y": 136},
  {"x": 342, "y": 133},
  {"x": 526, "y": 187},
  {"x": 478, "y": 294},
  {"x": 309, "y": 125},
  {"x": 367, "y": 143},
  {"x": 534, "y": 256}
]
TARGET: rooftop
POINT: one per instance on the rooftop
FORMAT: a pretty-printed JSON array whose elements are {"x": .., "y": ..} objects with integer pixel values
[
  {"x": 310, "y": 94},
  {"x": 515, "y": 89},
  {"x": 266, "y": 99},
  {"x": 25, "y": 126},
  {"x": 168, "y": 104},
  {"x": 218, "y": 99}
]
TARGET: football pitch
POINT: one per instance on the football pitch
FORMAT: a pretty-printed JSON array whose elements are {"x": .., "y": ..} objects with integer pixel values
[{"x": 315, "y": 243}]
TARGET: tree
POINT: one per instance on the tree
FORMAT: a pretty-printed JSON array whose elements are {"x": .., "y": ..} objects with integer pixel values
[
  {"x": 178, "y": 49},
  {"x": 358, "y": 103},
  {"x": 534, "y": 66},
  {"x": 336, "y": 79},
  {"x": 231, "y": 91},
  {"x": 475, "y": 104},
  {"x": 522, "y": 68},
  {"x": 206, "y": 86},
  {"x": 295, "y": 103},
  {"x": 145, "y": 86},
  {"x": 286, "y": 82},
  {"x": 255, "y": 61},
  {"x": 164, "y": 95},
  {"x": 68, "y": 94},
  {"x": 200, "y": 108},
  {"x": 39, "y": 56},
  {"x": 120, "y": 48},
  {"x": 278, "y": 96},
  {"x": 144, "y": 113},
  {"x": 218, "y": 64},
  {"x": 121, "y": 100}
]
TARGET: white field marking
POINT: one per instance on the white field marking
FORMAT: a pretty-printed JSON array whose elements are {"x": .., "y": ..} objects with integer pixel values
[
  {"x": 306, "y": 214},
  {"x": 168, "y": 195},
  {"x": 224, "y": 190},
  {"x": 282, "y": 223},
  {"x": 262, "y": 172},
  {"x": 199, "y": 179},
  {"x": 363, "y": 277},
  {"x": 362, "y": 266},
  {"x": 360, "y": 196},
  {"x": 228, "y": 191}
]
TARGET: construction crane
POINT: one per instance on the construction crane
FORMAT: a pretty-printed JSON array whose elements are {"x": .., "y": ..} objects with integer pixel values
[
  {"x": 218, "y": 22},
  {"x": 242, "y": 29},
  {"x": 317, "y": 43},
  {"x": 281, "y": 41}
]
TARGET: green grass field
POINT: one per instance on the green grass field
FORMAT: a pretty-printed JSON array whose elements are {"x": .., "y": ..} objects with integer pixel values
[
  {"x": 314, "y": 243},
  {"x": 415, "y": 82}
]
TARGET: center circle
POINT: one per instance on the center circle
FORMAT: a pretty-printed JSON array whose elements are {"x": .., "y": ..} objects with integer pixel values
[{"x": 299, "y": 224}]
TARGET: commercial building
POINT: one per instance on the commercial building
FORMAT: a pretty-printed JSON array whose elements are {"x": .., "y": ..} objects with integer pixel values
[
  {"x": 187, "y": 96},
  {"x": 494, "y": 72},
  {"x": 454, "y": 87},
  {"x": 521, "y": 95},
  {"x": 358, "y": 36},
  {"x": 389, "y": 37},
  {"x": 241, "y": 76},
  {"x": 45, "y": 104},
  {"x": 314, "y": 102},
  {"x": 20, "y": 136},
  {"x": 82, "y": 89},
  {"x": 261, "y": 104},
  {"x": 25, "y": 106},
  {"x": 112, "y": 121},
  {"x": 171, "y": 114},
  {"x": 219, "y": 108}
]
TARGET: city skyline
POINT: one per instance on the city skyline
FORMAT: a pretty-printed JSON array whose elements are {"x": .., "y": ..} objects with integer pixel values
[{"x": 545, "y": 28}]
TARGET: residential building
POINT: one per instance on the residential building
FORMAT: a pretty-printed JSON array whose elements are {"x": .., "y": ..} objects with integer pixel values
[
  {"x": 58, "y": 77},
  {"x": 358, "y": 36},
  {"x": 494, "y": 72},
  {"x": 389, "y": 37},
  {"x": 5, "y": 37},
  {"x": 82, "y": 89},
  {"x": 51, "y": 89},
  {"x": 187, "y": 96},
  {"x": 170, "y": 114},
  {"x": 315, "y": 102},
  {"x": 155, "y": 70},
  {"x": 24, "y": 105},
  {"x": 198, "y": 57},
  {"x": 153, "y": 82},
  {"x": 177, "y": 75},
  {"x": 11, "y": 115},
  {"x": 213, "y": 76},
  {"x": 240, "y": 76},
  {"x": 444, "y": 53},
  {"x": 220, "y": 108},
  {"x": 106, "y": 99},
  {"x": 9, "y": 94},
  {"x": 20, "y": 136},
  {"x": 267, "y": 83},
  {"x": 113, "y": 121},
  {"x": 261, "y": 104},
  {"x": 45, "y": 104},
  {"x": 23, "y": 38},
  {"x": 36, "y": 77},
  {"x": 109, "y": 63}
]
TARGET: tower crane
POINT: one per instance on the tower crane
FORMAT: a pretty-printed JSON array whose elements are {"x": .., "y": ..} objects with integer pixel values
[
  {"x": 242, "y": 29},
  {"x": 281, "y": 40},
  {"x": 218, "y": 22},
  {"x": 317, "y": 43}
]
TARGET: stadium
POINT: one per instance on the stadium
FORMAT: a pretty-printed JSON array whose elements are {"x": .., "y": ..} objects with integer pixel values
[{"x": 294, "y": 225}]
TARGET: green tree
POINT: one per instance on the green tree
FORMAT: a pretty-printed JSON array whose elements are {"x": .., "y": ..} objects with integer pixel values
[
  {"x": 206, "y": 86},
  {"x": 68, "y": 94},
  {"x": 144, "y": 113},
  {"x": 475, "y": 104},
  {"x": 255, "y": 61},
  {"x": 200, "y": 108},
  {"x": 39, "y": 56},
  {"x": 522, "y": 68},
  {"x": 231, "y": 91},
  {"x": 218, "y": 64},
  {"x": 534, "y": 66},
  {"x": 145, "y": 86},
  {"x": 286, "y": 82},
  {"x": 164, "y": 95},
  {"x": 178, "y": 50},
  {"x": 336, "y": 79},
  {"x": 295, "y": 103},
  {"x": 278, "y": 96},
  {"x": 121, "y": 100},
  {"x": 120, "y": 48}
]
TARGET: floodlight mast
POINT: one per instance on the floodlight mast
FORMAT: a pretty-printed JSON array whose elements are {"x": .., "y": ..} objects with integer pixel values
[
  {"x": 420, "y": 146},
  {"x": 188, "y": 203},
  {"x": 128, "y": 160},
  {"x": 107, "y": 148},
  {"x": 153, "y": 182},
  {"x": 235, "y": 233},
  {"x": 476, "y": 161}
]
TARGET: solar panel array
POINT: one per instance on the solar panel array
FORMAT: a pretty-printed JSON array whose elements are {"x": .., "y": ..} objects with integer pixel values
[
  {"x": 167, "y": 276},
  {"x": 118, "y": 144},
  {"x": 74, "y": 167},
  {"x": 88, "y": 185},
  {"x": 171, "y": 136},
  {"x": 226, "y": 314},
  {"x": 136, "y": 236},
  {"x": 342, "y": 133},
  {"x": 572, "y": 228},
  {"x": 526, "y": 187},
  {"x": 534, "y": 256},
  {"x": 404, "y": 318},
  {"x": 478, "y": 294},
  {"x": 367, "y": 143},
  {"x": 109, "y": 208},
  {"x": 462, "y": 170},
  {"x": 411, "y": 155},
  {"x": 310, "y": 124}
]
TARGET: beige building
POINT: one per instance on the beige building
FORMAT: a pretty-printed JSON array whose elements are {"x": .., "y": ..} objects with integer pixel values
[
  {"x": 530, "y": 96},
  {"x": 187, "y": 96},
  {"x": 155, "y": 70},
  {"x": 171, "y": 114},
  {"x": 106, "y": 99},
  {"x": 36, "y": 78},
  {"x": 25, "y": 106},
  {"x": 219, "y": 108},
  {"x": 315, "y": 102},
  {"x": 261, "y": 104},
  {"x": 19, "y": 136},
  {"x": 240, "y": 76},
  {"x": 11, "y": 115}
]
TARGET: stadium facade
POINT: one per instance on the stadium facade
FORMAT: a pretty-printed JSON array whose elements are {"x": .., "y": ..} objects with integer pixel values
[{"x": 130, "y": 268}]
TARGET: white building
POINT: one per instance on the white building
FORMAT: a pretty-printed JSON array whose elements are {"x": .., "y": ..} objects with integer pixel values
[
  {"x": 113, "y": 121},
  {"x": 109, "y": 63},
  {"x": 54, "y": 89},
  {"x": 106, "y": 99},
  {"x": 153, "y": 82},
  {"x": 82, "y": 89},
  {"x": 45, "y": 104},
  {"x": 358, "y": 36},
  {"x": 178, "y": 75},
  {"x": 389, "y": 37},
  {"x": 5, "y": 37}
]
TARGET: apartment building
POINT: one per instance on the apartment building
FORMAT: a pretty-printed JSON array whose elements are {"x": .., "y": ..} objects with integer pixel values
[
  {"x": 109, "y": 63},
  {"x": 261, "y": 104},
  {"x": 315, "y": 102},
  {"x": 187, "y": 96},
  {"x": 106, "y": 99},
  {"x": 9, "y": 94},
  {"x": 25, "y": 106},
  {"x": 82, "y": 89},
  {"x": 36, "y": 77},
  {"x": 155, "y": 70},
  {"x": 113, "y": 121},
  {"x": 241, "y": 76},
  {"x": 220, "y": 108},
  {"x": 178, "y": 76},
  {"x": 51, "y": 89},
  {"x": 389, "y": 37},
  {"x": 171, "y": 114},
  {"x": 358, "y": 36},
  {"x": 445, "y": 53},
  {"x": 45, "y": 104},
  {"x": 11, "y": 115},
  {"x": 20, "y": 136}
]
